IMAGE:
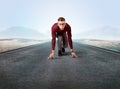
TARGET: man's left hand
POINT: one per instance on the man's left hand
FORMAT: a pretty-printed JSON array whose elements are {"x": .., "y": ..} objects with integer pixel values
[{"x": 74, "y": 55}]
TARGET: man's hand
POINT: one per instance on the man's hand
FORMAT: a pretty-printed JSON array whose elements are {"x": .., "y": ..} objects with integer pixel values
[
  {"x": 74, "y": 54},
  {"x": 51, "y": 56}
]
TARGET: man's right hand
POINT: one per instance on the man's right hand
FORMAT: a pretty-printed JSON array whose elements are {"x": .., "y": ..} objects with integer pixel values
[{"x": 51, "y": 56}]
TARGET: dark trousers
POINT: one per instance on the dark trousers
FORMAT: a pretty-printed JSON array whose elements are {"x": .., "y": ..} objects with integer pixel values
[{"x": 62, "y": 41}]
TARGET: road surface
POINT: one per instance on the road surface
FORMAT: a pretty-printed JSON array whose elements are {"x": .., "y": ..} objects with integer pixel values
[{"x": 29, "y": 68}]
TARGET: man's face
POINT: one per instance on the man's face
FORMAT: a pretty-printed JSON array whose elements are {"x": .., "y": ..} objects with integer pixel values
[{"x": 61, "y": 25}]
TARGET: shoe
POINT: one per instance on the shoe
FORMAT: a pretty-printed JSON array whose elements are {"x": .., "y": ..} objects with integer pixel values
[
  {"x": 63, "y": 50},
  {"x": 59, "y": 53}
]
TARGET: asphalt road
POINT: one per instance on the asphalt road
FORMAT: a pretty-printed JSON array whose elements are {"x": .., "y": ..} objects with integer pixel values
[{"x": 29, "y": 68}]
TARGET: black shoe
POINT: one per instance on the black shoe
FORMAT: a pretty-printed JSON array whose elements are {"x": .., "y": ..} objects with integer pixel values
[
  {"x": 63, "y": 50},
  {"x": 59, "y": 53}
]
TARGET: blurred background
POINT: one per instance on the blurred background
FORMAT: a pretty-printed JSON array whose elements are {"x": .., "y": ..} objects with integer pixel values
[{"x": 32, "y": 19}]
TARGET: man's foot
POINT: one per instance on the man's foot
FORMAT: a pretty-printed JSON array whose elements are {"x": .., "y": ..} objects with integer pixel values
[
  {"x": 63, "y": 50},
  {"x": 59, "y": 53}
]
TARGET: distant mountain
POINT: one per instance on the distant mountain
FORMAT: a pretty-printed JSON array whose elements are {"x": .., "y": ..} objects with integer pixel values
[
  {"x": 21, "y": 32},
  {"x": 104, "y": 33}
]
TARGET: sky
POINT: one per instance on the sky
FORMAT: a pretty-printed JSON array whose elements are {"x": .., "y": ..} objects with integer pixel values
[{"x": 82, "y": 15}]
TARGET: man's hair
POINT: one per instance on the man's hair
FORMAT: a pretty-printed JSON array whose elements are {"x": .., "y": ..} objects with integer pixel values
[{"x": 61, "y": 19}]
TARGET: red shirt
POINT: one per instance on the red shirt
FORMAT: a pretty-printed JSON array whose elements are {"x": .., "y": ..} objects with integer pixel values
[{"x": 56, "y": 29}]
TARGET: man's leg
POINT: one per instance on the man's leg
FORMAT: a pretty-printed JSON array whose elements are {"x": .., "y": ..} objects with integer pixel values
[
  {"x": 60, "y": 41},
  {"x": 65, "y": 42}
]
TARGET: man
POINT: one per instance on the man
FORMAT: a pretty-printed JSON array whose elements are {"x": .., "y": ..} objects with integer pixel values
[{"x": 59, "y": 30}]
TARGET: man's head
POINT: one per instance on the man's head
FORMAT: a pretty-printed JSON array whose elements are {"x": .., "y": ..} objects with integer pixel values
[{"x": 61, "y": 23}]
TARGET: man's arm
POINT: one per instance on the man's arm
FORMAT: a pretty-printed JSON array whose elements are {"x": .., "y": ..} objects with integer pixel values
[
  {"x": 53, "y": 33},
  {"x": 70, "y": 38},
  {"x": 71, "y": 43}
]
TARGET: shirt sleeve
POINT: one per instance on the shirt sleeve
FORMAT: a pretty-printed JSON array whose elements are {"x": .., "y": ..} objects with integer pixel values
[
  {"x": 53, "y": 37},
  {"x": 70, "y": 37}
]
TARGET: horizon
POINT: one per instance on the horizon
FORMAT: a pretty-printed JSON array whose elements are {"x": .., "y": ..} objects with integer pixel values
[{"x": 37, "y": 35}]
